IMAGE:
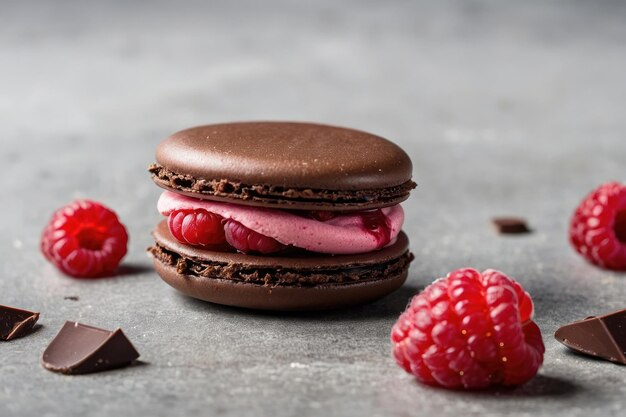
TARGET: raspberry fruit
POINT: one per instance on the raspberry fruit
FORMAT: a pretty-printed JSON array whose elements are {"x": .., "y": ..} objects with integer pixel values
[
  {"x": 247, "y": 240},
  {"x": 322, "y": 215},
  {"x": 598, "y": 227},
  {"x": 469, "y": 330},
  {"x": 84, "y": 239},
  {"x": 196, "y": 227}
]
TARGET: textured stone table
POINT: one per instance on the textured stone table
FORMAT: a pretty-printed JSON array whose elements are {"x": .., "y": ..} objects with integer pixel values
[{"x": 514, "y": 109}]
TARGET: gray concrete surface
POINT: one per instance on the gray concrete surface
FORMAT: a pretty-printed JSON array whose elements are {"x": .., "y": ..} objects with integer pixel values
[{"x": 504, "y": 107}]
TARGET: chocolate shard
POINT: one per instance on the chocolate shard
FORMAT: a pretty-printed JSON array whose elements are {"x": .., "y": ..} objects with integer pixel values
[
  {"x": 15, "y": 322},
  {"x": 82, "y": 349},
  {"x": 603, "y": 336},
  {"x": 510, "y": 225}
]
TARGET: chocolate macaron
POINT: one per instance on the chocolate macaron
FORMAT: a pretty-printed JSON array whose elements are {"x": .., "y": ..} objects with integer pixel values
[{"x": 281, "y": 215}]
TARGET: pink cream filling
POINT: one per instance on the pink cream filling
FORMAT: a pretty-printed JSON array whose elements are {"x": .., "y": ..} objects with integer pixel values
[{"x": 357, "y": 232}]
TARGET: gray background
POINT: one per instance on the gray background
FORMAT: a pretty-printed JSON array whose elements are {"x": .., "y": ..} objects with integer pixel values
[{"x": 504, "y": 107}]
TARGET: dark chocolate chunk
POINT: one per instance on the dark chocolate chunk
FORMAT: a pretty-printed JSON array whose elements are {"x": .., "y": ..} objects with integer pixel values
[
  {"x": 82, "y": 349},
  {"x": 603, "y": 336},
  {"x": 510, "y": 225},
  {"x": 15, "y": 322}
]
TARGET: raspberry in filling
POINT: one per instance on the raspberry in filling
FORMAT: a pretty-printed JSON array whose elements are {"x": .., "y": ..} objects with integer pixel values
[
  {"x": 320, "y": 215},
  {"x": 248, "y": 241},
  {"x": 377, "y": 224},
  {"x": 196, "y": 227}
]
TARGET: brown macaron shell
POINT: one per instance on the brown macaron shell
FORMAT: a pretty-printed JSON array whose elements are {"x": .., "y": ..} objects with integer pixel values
[
  {"x": 315, "y": 282},
  {"x": 284, "y": 164}
]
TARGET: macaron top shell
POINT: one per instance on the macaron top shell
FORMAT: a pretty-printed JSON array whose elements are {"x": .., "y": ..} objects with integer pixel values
[{"x": 302, "y": 165}]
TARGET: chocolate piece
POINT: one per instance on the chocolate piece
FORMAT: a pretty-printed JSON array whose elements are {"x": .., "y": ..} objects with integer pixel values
[
  {"x": 313, "y": 282},
  {"x": 603, "y": 336},
  {"x": 15, "y": 322},
  {"x": 294, "y": 165},
  {"x": 82, "y": 349},
  {"x": 510, "y": 225}
]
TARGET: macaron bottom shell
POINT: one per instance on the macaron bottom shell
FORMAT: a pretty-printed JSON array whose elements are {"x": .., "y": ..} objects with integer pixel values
[
  {"x": 259, "y": 297},
  {"x": 319, "y": 282}
]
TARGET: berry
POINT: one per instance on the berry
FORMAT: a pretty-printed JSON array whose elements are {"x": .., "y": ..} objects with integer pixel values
[
  {"x": 376, "y": 224},
  {"x": 322, "y": 215},
  {"x": 598, "y": 227},
  {"x": 247, "y": 240},
  {"x": 469, "y": 330},
  {"x": 84, "y": 239},
  {"x": 196, "y": 227}
]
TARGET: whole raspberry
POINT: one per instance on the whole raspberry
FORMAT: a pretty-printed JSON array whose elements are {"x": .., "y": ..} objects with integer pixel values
[
  {"x": 84, "y": 239},
  {"x": 469, "y": 330},
  {"x": 598, "y": 227},
  {"x": 196, "y": 227},
  {"x": 248, "y": 241}
]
